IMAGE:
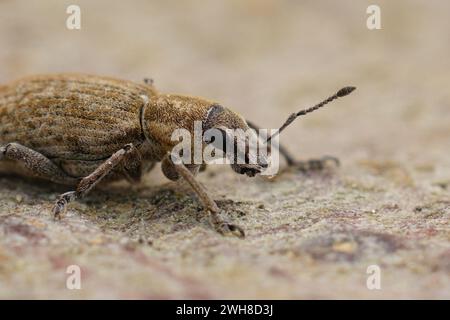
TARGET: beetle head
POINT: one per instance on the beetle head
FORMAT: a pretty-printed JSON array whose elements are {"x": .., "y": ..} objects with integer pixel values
[{"x": 239, "y": 143}]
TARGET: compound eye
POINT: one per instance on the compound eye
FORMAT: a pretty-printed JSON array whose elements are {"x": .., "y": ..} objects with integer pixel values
[{"x": 209, "y": 140}]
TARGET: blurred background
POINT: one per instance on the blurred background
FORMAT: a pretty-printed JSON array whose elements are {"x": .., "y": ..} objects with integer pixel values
[{"x": 266, "y": 59}]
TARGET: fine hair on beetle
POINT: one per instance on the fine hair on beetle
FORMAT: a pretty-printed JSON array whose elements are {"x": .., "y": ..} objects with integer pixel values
[
  {"x": 49, "y": 130},
  {"x": 226, "y": 146},
  {"x": 237, "y": 147}
]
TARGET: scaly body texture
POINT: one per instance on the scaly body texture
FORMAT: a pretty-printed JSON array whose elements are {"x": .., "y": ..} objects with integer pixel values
[
  {"x": 80, "y": 130},
  {"x": 79, "y": 121}
]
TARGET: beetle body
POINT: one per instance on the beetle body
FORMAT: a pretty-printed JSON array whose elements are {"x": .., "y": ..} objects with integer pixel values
[
  {"x": 80, "y": 130},
  {"x": 79, "y": 121}
]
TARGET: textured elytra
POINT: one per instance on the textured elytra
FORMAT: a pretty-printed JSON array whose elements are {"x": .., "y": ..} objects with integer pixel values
[
  {"x": 83, "y": 130},
  {"x": 78, "y": 121},
  {"x": 71, "y": 117}
]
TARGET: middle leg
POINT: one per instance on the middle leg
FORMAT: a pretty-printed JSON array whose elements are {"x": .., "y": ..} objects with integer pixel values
[
  {"x": 307, "y": 165},
  {"x": 87, "y": 183}
]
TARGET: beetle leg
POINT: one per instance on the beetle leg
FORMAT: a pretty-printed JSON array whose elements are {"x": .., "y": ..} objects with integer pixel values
[
  {"x": 222, "y": 226},
  {"x": 132, "y": 166},
  {"x": 307, "y": 165},
  {"x": 87, "y": 183},
  {"x": 315, "y": 164},
  {"x": 38, "y": 164}
]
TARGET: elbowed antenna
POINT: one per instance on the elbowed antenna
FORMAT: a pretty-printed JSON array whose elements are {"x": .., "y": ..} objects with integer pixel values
[{"x": 341, "y": 93}]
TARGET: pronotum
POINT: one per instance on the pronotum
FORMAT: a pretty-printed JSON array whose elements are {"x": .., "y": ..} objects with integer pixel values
[{"x": 79, "y": 130}]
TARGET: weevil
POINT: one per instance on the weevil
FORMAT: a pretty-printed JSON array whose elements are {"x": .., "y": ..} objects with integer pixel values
[{"x": 79, "y": 130}]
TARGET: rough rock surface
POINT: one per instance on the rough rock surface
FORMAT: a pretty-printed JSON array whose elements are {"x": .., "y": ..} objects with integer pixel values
[{"x": 308, "y": 235}]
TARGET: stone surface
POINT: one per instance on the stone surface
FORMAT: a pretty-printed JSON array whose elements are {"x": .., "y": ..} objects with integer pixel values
[{"x": 308, "y": 235}]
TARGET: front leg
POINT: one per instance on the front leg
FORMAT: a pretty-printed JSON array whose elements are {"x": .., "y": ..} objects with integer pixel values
[
  {"x": 306, "y": 165},
  {"x": 87, "y": 183},
  {"x": 315, "y": 164},
  {"x": 178, "y": 169}
]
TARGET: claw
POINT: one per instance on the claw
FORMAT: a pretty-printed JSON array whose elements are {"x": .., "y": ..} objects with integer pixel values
[
  {"x": 336, "y": 161},
  {"x": 60, "y": 207},
  {"x": 316, "y": 164},
  {"x": 225, "y": 228},
  {"x": 229, "y": 229}
]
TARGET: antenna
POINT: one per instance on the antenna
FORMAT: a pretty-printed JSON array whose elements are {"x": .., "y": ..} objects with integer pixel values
[{"x": 341, "y": 93}]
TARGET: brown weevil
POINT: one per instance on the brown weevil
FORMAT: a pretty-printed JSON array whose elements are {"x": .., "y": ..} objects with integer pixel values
[{"x": 78, "y": 130}]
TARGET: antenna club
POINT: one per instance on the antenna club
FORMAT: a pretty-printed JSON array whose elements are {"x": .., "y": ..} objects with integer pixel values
[
  {"x": 341, "y": 93},
  {"x": 345, "y": 91}
]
